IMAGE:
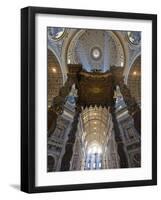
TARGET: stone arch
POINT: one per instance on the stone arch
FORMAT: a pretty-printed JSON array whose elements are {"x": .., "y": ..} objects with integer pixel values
[
  {"x": 62, "y": 67},
  {"x": 65, "y": 47},
  {"x": 134, "y": 79},
  {"x": 127, "y": 70},
  {"x": 55, "y": 76},
  {"x": 123, "y": 42}
]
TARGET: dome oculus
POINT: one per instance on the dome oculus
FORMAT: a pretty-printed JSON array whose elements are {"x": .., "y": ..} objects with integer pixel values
[{"x": 96, "y": 53}]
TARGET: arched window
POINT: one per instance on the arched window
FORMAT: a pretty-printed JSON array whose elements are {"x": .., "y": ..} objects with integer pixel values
[{"x": 94, "y": 157}]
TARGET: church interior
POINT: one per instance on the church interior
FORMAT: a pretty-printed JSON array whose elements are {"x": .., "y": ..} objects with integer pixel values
[{"x": 94, "y": 99}]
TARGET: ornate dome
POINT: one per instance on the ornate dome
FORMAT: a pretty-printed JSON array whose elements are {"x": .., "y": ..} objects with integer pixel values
[{"x": 96, "y": 50}]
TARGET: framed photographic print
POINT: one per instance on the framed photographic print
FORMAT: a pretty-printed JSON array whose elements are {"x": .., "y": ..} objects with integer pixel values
[{"x": 88, "y": 99}]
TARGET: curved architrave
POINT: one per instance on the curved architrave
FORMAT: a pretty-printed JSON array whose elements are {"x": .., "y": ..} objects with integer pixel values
[
  {"x": 63, "y": 70},
  {"x": 129, "y": 68},
  {"x": 66, "y": 44},
  {"x": 131, "y": 77},
  {"x": 55, "y": 78},
  {"x": 124, "y": 43},
  {"x": 76, "y": 36},
  {"x": 121, "y": 39},
  {"x": 124, "y": 46}
]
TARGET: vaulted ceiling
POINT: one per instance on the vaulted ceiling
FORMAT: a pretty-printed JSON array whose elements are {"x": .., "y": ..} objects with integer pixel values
[{"x": 95, "y": 126}]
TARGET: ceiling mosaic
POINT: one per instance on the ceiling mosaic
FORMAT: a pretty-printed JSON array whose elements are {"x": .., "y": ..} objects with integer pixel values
[{"x": 134, "y": 37}]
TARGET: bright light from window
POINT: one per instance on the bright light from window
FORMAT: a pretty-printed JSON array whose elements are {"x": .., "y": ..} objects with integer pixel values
[
  {"x": 99, "y": 165},
  {"x": 122, "y": 64},
  {"x": 68, "y": 60},
  {"x": 95, "y": 148},
  {"x": 54, "y": 70}
]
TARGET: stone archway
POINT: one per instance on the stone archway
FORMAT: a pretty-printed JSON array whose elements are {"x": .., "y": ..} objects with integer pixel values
[
  {"x": 134, "y": 79},
  {"x": 55, "y": 77}
]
